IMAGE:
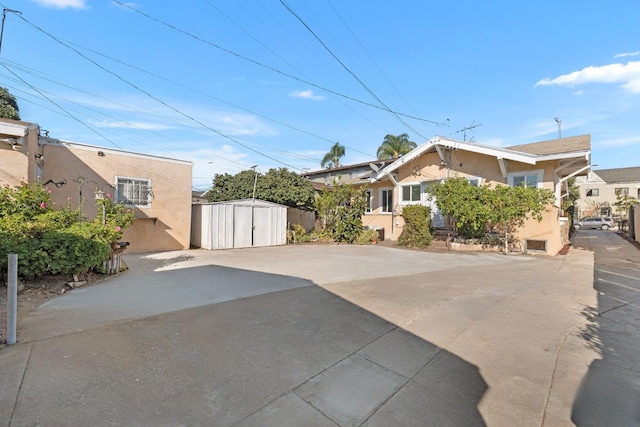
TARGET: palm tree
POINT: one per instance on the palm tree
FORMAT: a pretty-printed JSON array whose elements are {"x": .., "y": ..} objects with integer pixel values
[
  {"x": 332, "y": 158},
  {"x": 395, "y": 146}
]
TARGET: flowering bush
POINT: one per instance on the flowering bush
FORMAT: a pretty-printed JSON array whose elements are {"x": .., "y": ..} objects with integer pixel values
[
  {"x": 117, "y": 217},
  {"x": 27, "y": 201},
  {"x": 50, "y": 241}
]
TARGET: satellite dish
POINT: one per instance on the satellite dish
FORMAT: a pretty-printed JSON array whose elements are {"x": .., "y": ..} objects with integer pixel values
[{"x": 374, "y": 167}]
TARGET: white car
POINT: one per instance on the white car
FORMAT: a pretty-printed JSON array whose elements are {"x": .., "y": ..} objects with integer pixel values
[{"x": 594, "y": 222}]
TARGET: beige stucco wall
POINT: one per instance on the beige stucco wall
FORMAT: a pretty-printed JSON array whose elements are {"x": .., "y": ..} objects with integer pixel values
[
  {"x": 164, "y": 225},
  {"x": 427, "y": 168},
  {"x": 18, "y": 162}
]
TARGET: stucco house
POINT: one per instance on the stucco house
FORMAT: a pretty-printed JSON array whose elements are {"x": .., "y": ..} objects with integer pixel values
[
  {"x": 545, "y": 164},
  {"x": 600, "y": 188},
  {"x": 158, "y": 188},
  {"x": 357, "y": 173}
]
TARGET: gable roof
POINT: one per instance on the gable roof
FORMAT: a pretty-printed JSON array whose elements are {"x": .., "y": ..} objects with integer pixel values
[
  {"x": 611, "y": 176},
  {"x": 555, "y": 146},
  {"x": 377, "y": 162},
  {"x": 565, "y": 148}
]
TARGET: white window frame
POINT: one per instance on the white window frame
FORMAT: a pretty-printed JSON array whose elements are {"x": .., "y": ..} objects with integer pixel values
[
  {"x": 592, "y": 190},
  {"x": 369, "y": 207},
  {"x": 621, "y": 191},
  {"x": 136, "y": 201},
  {"x": 539, "y": 173},
  {"x": 475, "y": 178},
  {"x": 381, "y": 200},
  {"x": 401, "y": 200}
]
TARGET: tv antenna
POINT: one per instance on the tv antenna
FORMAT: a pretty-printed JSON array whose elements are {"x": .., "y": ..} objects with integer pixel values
[{"x": 465, "y": 129}]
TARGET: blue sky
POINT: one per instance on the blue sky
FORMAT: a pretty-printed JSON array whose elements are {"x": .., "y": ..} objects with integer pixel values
[{"x": 232, "y": 84}]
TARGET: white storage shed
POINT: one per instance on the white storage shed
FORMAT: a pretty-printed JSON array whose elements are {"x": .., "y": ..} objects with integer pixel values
[{"x": 238, "y": 224}]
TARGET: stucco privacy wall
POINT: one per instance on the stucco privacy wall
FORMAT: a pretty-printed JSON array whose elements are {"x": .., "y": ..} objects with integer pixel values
[
  {"x": 164, "y": 224},
  {"x": 19, "y": 141}
]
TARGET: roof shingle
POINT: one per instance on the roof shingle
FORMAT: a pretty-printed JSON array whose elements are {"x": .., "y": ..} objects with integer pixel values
[
  {"x": 611, "y": 176},
  {"x": 555, "y": 146}
]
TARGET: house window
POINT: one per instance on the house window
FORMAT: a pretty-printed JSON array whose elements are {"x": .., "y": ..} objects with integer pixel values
[
  {"x": 369, "y": 207},
  {"x": 133, "y": 191},
  {"x": 474, "y": 181},
  {"x": 410, "y": 193},
  {"x": 532, "y": 179},
  {"x": 622, "y": 191},
  {"x": 593, "y": 192},
  {"x": 386, "y": 200}
]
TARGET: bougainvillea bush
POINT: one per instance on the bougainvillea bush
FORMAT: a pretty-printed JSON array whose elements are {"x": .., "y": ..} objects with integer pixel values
[{"x": 52, "y": 241}]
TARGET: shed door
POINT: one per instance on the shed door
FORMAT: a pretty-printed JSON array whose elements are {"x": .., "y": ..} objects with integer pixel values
[
  {"x": 262, "y": 226},
  {"x": 242, "y": 226}
]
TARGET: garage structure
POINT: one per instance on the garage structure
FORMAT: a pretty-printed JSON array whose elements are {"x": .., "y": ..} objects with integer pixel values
[{"x": 238, "y": 224}]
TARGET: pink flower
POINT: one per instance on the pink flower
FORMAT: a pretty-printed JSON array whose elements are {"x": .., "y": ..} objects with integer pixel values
[
  {"x": 69, "y": 198},
  {"x": 118, "y": 228},
  {"x": 108, "y": 195},
  {"x": 43, "y": 205}
]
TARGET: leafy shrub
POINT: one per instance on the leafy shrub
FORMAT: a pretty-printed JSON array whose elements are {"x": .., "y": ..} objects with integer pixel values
[
  {"x": 367, "y": 237},
  {"x": 417, "y": 221},
  {"x": 297, "y": 234},
  {"x": 49, "y": 241},
  {"x": 340, "y": 210}
]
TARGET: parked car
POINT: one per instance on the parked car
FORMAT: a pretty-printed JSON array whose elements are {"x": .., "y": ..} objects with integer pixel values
[{"x": 593, "y": 222}]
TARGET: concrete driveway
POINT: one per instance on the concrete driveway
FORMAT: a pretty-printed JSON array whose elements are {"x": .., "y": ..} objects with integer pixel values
[{"x": 308, "y": 335}]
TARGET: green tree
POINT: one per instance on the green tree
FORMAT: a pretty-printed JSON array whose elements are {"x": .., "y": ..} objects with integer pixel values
[
  {"x": 623, "y": 204},
  {"x": 232, "y": 187},
  {"x": 465, "y": 203},
  {"x": 332, "y": 158},
  {"x": 277, "y": 185},
  {"x": 395, "y": 146},
  {"x": 478, "y": 209},
  {"x": 8, "y": 105},
  {"x": 569, "y": 202},
  {"x": 340, "y": 210}
]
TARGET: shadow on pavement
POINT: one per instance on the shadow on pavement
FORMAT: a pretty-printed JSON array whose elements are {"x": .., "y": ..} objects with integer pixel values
[
  {"x": 281, "y": 353},
  {"x": 610, "y": 392}
]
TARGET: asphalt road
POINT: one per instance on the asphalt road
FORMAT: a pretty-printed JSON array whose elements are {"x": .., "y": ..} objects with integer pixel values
[{"x": 310, "y": 336}]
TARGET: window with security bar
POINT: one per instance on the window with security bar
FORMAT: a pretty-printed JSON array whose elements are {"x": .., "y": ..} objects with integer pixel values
[{"x": 133, "y": 191}]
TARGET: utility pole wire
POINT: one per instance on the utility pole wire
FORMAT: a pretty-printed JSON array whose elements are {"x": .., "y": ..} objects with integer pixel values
[
  {"x": 4, "y": 16},
  {"x": 237, "y": 55},
  {"x": 138, "y": 88},
  {"x": 385, "y": 107}
]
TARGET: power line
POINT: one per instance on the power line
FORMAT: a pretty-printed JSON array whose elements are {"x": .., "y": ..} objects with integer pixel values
[
  {"x": 386, "y": 108},
  {"x": 369, "y": 55},
  {"x": 136, "y": 87},
  {"x": 237, "y": 55},
  {"x": 60, "y": 107}
]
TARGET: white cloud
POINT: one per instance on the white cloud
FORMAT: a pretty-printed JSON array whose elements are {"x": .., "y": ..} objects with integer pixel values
[
  {"x": 620, "y": 142},
  {"x": 622, "y": 55},
  {"x": 116, "y": 124},
  {"x": 306, "y": 94},
  {"x": 210, "y": 161},
  {"x": 628, "y": 74},
  {"x": 62, "y": 4}
]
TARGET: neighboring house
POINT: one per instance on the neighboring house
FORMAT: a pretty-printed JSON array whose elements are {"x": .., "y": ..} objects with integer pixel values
[
  {"x": 600, "y": 188},
  {"x": 199, "y": 196},
  {"x": 359, "y": 173},
  {"x": 76, "y": 174},
  {"x": 546, "y": 164}
]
